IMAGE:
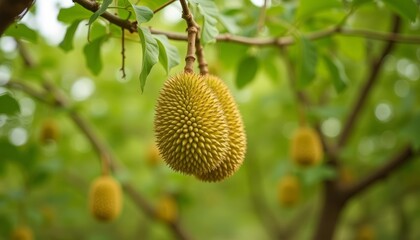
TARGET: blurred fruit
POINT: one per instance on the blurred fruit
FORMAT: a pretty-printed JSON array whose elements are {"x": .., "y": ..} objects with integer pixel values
[
  {"x": 365, "y": 232},
  {"x": 167, "y": 209},
  {"x": 288, "y": 190},
  {"x": 153, "y": 157},
  {"x": 49, "y": 131},
  {"x": 306, "y": 148},
  {"x": 105, "y": 198},
  {"x": 22, "y": 233}
]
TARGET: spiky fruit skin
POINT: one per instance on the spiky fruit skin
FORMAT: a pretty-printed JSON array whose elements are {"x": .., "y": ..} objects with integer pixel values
[
  {"x": 105, "y": 198},
  {"x": 190, "y": 127},
  {"x": 288, "y": 190},
  {"x": 22, "y": 233},
  {"x": 306, "y": 147},
  {"x": 237, "y": 139},
  {"x": 167, "y": 209},
  {"x": 365, "y": 232},
  {"x": 49, "y": 131}
]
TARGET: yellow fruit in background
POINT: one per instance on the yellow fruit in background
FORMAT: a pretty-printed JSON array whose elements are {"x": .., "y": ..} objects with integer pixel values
[
  {"x": 190, "y": 126},
  {"x": 237, "y": 139},
  {"x": 288, "y": 190},
  {"x": 49, "y": 131},
  {"x": 365, "y": 232},
  {"x": 105, "y": 198},
  {"x": 153, "y": 157},
  {"x": 306, "y": 148},
  {"x": 22, "y": 233},
  {"x": 167, "y": 209}
]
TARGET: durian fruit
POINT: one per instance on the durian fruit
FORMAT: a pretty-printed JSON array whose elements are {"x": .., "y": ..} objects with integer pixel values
[
  {"x": 22, "y": 233},
  {"x": 306, "y": 148},
  {"x": 49, "y": 131},
  {"x": 365, "y": 232},
  {"x": 236, "y": 137},
  {"x": 105, "y": 198},
  {"x": 190, "y": 125},
  {"x": 288, "y": 190},
  {"x": 166, "y": 209},
  {"x": 153, "y": 157}
]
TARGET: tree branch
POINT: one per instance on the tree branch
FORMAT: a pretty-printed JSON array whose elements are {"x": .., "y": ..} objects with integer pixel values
[
  {"x": 93, "y": 7},
  {"x": 262, "y": 42},
  {"x": 372, "y": 77},
  {"x": 395, "y": 162}
]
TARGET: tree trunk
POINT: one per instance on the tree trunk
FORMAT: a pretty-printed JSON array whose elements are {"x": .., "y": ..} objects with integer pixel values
[{"x": 330, "y": 214}]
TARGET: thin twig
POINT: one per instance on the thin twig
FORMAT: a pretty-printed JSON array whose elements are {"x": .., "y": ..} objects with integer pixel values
[
  {"x": 123, "y": 52},
  {"x": 261, "y": 19},
  {"x": 371, "y": 79},
  {"x": 163, "y": 6}
]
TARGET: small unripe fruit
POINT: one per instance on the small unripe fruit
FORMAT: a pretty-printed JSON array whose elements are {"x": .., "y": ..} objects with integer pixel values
[
  {"x": 365, "y": 232},
  {"x": 288, "y": 190},
  {"x": 190, "y": 126},
  {"x": 167, "y": 209},
  {"x": 237, "y": 140},
  {"x": 306, "y": 148},
  {"x": 22, "y": 233},
  {"x": 49, "y": 131},
  {"x": 105, "y": 198}
]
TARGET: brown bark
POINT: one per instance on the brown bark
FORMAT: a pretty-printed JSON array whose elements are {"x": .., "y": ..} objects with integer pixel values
[{"x": 331, "y": 209}]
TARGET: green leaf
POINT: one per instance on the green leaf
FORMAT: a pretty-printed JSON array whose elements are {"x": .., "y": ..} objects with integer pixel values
[
  {"x": 92, "y": 52},
  {"x": 124, "y": 9},
  {"x": 405, "y": 8},
  {"x": 310, "y": 7},
  {"x": 150, "y": 49},
  {"x": 8, "y": 104},
  {"x": 210, "y": 13},
  {"x": 68, "y": 15},
  {"x": 315, "y": 175},
  {"x": 337, "y": 73},
  {"x": 247, "y": 69},
  {"x": 307, "y": 61},
  {"x": 168, "y": 54},
  {"x": 67, "y": 43},
  {"x": 143, "y": 14},
  {"x": 100, "y": 11},
  {"x": 23, "y": 32}
]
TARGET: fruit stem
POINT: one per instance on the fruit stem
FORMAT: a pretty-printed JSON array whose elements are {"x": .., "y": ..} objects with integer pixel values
[
  {"x": 192, "y": 30},
  {"x": 105, "y": 165}
]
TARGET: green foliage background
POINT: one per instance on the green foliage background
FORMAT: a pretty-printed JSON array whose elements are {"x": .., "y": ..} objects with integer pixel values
[{"x": 48, "y": 184}]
